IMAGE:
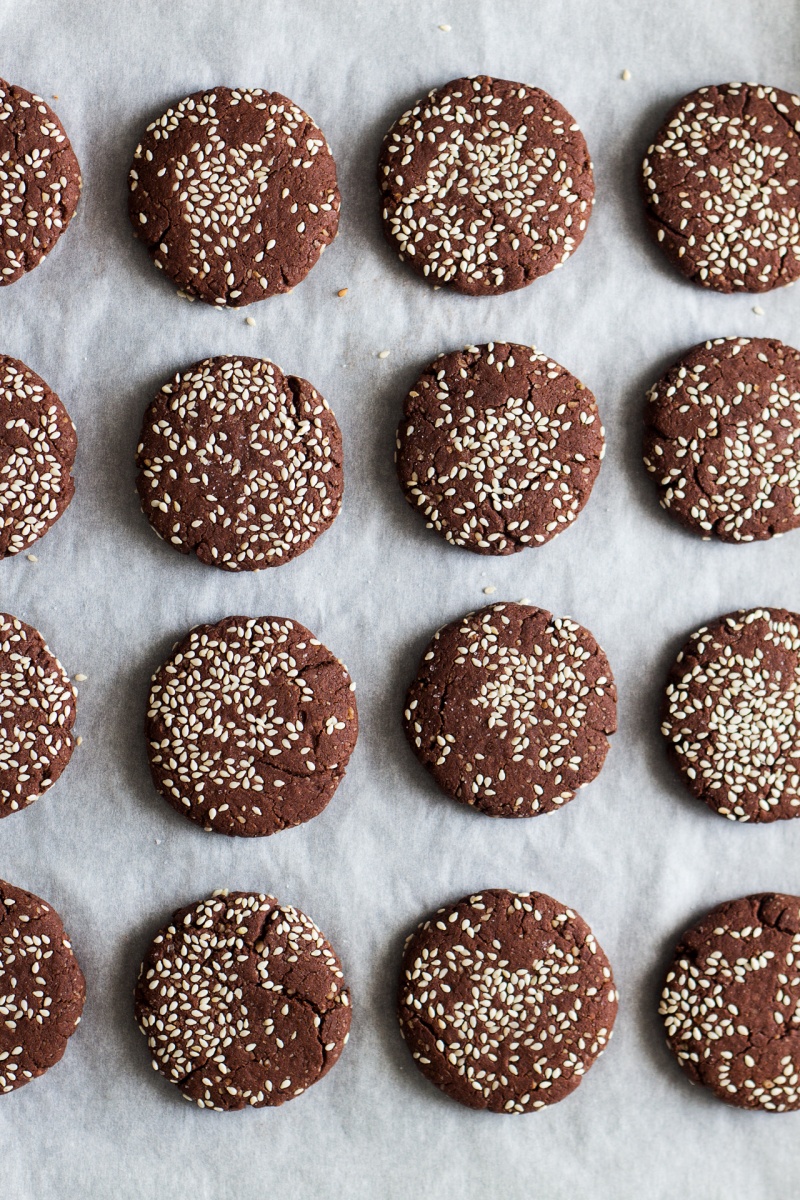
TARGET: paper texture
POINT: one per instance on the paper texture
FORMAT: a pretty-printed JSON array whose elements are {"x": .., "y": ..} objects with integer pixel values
[{"x": 634, "y": 854}]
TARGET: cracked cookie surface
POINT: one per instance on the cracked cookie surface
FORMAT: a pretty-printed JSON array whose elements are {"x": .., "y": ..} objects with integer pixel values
[
  {"x": 234, "y": 193},
  {"x": 242, "y": 1001},
  {"x": 511, "y": 710},
  {"x": 40, "y": 181},
  {"x": 731, "y": 1002},
  {"x": 506, "y": 1000},
  {"x": 722, "y": 439},
  {"x": 38, "y": 444},
  {"x": 37, "y": 713},
  {"x": 42, "y": 988},
  {"x": 731, "y": 715},
  {"x": 240, "y": 464},
  {"x": 721, "y": 183},
  {"x": 485, "y": 185},
  {"x": 498, "y": 447},
  {"x": 250, "y": 725}
]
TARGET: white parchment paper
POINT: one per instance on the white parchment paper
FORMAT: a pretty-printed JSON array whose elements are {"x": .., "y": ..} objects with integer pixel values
[{"x": 634, "y": 854}]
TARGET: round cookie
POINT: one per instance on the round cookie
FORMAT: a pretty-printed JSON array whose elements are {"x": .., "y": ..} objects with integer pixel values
[
  {"x": 37, "y": 712},
  {"x": 485, "y": 185},
  {"x": 506, "y": 1000},
  {"x": 722, "y": 439},
  {"x": 40, "y": 181},
  {"x": 42, "y": 988},
  {"x": 234, "y": 193},
  {"x": 498, "y": 447},
  {"x": 511, "y": 710},
  {"x": 240, "y": 464},
  {"x": 731, "y": 715},
  {"x": 38, "y": 444},
  {"x": 242, "y": 1001},
  {"x": 731, "y": 1002},
  {"x": 250, "y": 725},
  {"x": 722, "y": 187}
]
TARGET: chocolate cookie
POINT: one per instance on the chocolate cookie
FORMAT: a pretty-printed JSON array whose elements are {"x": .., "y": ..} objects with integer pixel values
[
  {"x": 486, "y": 185},
  {"x": 511, "y": 710},
  {"x": 40, "y": 181},
  {"x": 242, "y": 1001},
  {"x": 38, "y": 444},
  {"x": 722, "y": 438},
  {"x": 250, "y": 725},
  {"x": 234, "y": 193},
  {"x": 37, "y": 712},
  {"x": 499, "y": 447},
  {"x": 722, "y": 187},
  {"x": 731, "y": 714},
  {"x": 731, "y": 1002},
  {"x": 42, "y": 988},
  {"x": 240, "y": 464},
  {"x": 506, "y": 1000}
]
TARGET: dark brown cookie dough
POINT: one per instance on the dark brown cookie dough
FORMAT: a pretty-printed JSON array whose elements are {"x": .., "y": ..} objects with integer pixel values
[
  {"x": 498, "y": 447},
  {"x": 485, "y": 185},
  {"x": 506, "y": 1000},
  {"x": 240, "y": 464},
  {"x": 37, "y": 712},
  {"x": 722, "y": 187},
  {"x": 511, "y": 710},
  {"x": 40, "y": 181},
  {"x": 42, "y": 988},
  {"x": 731, "y": 714},
  {"x": 234, "y": 193},
  {"x": 242, "y": 1001},
  {"x": 722, "y": 439},
  {"x": 38, "y": 444},
  {"x": 731, "y": 1002},
  {"x": 250, "y": 725}
]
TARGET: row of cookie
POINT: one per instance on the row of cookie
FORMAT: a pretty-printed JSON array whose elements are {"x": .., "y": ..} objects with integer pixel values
[
  {"x": 485, "y": 185},
  {"x": 251, "y": 722},
  {"x": 498, "y": 448},
  {"x": 505, "y": 1000}
]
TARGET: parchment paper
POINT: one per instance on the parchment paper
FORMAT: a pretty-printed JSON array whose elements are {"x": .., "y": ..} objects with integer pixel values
[{"x": 637, "y": 856}]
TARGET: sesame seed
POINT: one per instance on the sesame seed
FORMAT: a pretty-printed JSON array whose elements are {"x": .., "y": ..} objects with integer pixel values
[
  {"x": 625, "y": 75},
  {"x": 81, "y": 678},
  {"x": 490, "y": 590},
  {"x": 445, "y": 28},
  {"x": 32, "y": 558},
  {"x": 758, "y": 310},
  {"x": 249, "y": 321},
  {"x": 383, "y": 353},
  {"x": 342, "y": 292}
]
